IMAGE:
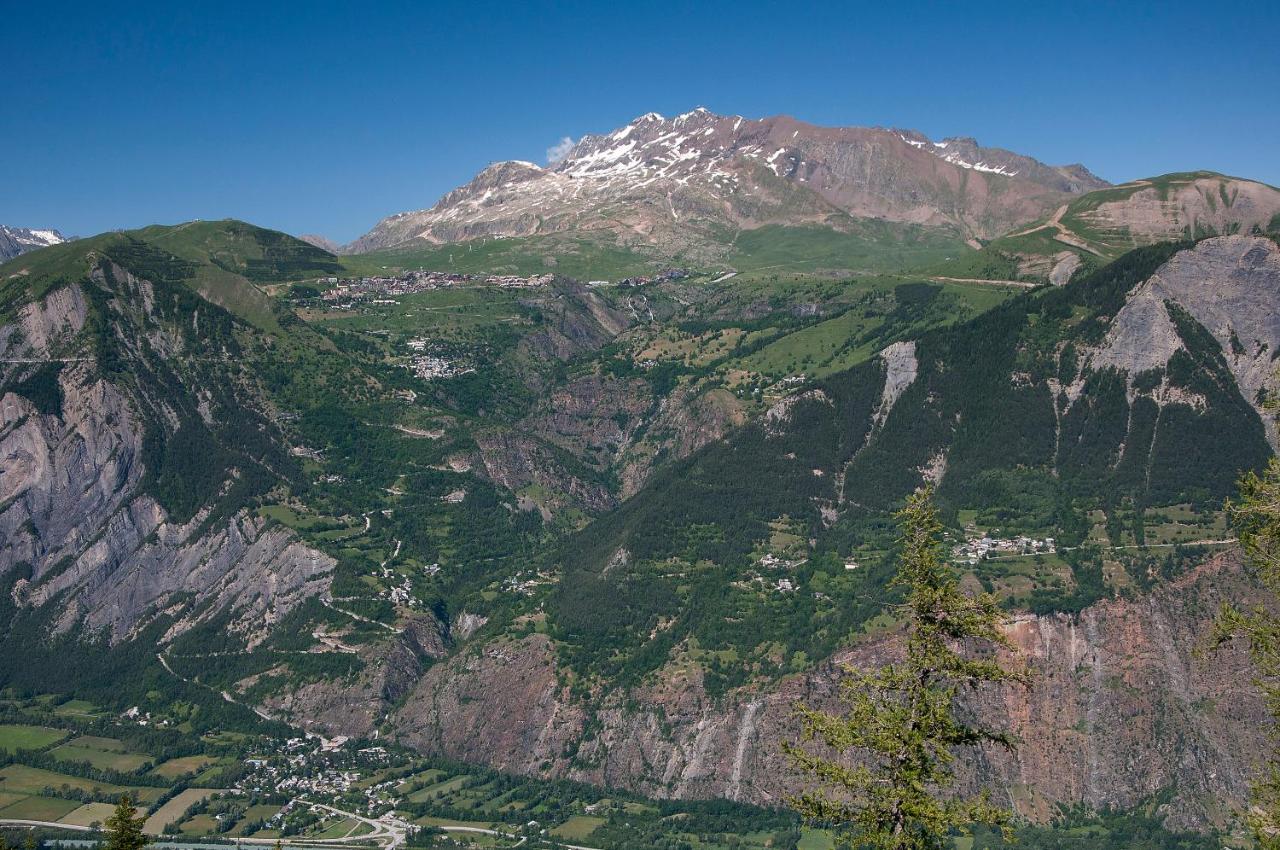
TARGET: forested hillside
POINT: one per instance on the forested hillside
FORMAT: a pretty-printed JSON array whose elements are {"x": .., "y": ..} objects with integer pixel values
[{"x": 268, "y": 484}]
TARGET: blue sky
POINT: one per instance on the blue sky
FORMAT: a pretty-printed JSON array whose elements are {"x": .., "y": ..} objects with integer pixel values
[{"x": 324, "y": 117}]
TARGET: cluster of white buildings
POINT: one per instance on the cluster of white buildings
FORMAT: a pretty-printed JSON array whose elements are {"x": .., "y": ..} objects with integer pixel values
[
  {"x": 522, "y": 583},
  {"x": 976, "y": 549},
  {"x": 143, "y": 718},
  {"x": 641, "y": 280},
  {"x": 348, "y": 291},
  {"x": 294, "y": 776},
  {"x": 320, "y": 771},
  {"x": 402, "y": 594},
  {"x": 771, "y": 561},
  {"x": 431, "y": 366}
]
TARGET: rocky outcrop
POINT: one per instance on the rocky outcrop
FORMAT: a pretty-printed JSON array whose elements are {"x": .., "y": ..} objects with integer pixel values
[
  {"x": 900, "y": 369},
  {"x": 1121, "y": 708},
  {"x": 76, "y": 522},
  {"x": 529, "y": 467},
  {"x": 358, "y": 706},
  {"x": 577, "y": 320},
  {"x": 593, "y": 417},
  {"x": 40, "y": 324},
  {"x": 322, "y": 242},
  {"x": 687, "y": 420},
  {"x": 1190, "y": 205},
  {"x": 1229, "y": 285},
  {"x": 1065, "y": 264}
]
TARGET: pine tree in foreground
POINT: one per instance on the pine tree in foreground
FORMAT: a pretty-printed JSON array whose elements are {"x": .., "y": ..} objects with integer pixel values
[
  {"x": 124, "y": 827},
  {"x": 1255, "y": 515},
  {"x": 900, "y": 723}
]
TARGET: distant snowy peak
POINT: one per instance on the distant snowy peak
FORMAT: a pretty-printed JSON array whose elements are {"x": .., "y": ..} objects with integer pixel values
[
  {"x": 668, "y": 182},
  {"x": 20, "y": 240}
]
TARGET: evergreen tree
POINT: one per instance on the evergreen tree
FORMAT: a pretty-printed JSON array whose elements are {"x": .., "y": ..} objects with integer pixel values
[
  {"x": 1255, "y": 515},
  {"x": 124, "y": 827},
  {"x": 900, "y": 725}
]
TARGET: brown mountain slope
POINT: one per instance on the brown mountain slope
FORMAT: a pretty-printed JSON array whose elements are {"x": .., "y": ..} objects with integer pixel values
[{"x": 694, "y": 180}]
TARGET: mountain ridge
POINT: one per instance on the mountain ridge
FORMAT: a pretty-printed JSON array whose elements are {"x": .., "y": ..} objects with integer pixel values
[{"x": 717, "y": 174}]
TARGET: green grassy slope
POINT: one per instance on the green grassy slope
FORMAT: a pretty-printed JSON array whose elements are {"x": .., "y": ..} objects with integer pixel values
[
  {"x": 862, "y": 245},
  {"x": 224, "y": 262},
  {"x": 982, "y": 402},
  {"x": 580, "y": 257}
]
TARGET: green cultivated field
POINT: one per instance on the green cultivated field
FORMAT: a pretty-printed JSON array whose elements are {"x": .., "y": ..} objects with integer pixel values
[
  {"x": 102, "y": 753},
  {"x": 577, "y": 828},
  {"x": 76, "y": 708},
  {"x": 40, "y": 808},
  {"x": 18, "y": 737},
  {"x": 22, "y": 779},
  {"x": 199, "y": 825}
]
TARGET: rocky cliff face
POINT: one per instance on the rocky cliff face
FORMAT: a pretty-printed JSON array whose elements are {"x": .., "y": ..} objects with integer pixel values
[
  {"x": 1121, "y": 708},
  {"x": 1229, "y": 284},
  {"x": 75, "y": 518},
  {"x": 1179, "y": 205},
  {"x": 674, "y": 182}
]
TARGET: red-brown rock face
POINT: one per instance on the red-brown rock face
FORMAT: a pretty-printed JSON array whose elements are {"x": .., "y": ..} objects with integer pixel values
[{"x": 1121, "y": 708}]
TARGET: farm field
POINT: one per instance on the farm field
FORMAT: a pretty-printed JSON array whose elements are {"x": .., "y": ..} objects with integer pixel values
[
  {"x": 76, "y": 708},
  {"x": 23, "y": 779},
  {"x": 89, "y": 814},
  {"x": 39, "y": 808},
  {"x": 21, "y": 737},
  {"x": 173, "y": 768},
  {"x": 173, "y": 809},
  {"x": 578, "y": 827},
  {"x": 102, "y": 753},
  {"x": 198, "y": 825}
]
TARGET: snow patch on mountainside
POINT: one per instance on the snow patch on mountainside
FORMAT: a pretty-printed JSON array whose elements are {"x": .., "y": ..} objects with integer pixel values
[
  {"x": 954, "y": 158},
  {"x": 725, "y": 173},
  {"x": 20, "y": 240}
]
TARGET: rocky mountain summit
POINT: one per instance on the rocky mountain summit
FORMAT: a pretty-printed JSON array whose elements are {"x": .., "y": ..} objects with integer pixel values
[
  {"x": 19, "y": 240},
  {"x": 694, "y": 180},
  {"x": 322, "y": 242}
]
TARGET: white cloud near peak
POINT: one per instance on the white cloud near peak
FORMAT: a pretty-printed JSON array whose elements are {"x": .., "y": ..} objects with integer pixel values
[{"x": 559, "y": 150}]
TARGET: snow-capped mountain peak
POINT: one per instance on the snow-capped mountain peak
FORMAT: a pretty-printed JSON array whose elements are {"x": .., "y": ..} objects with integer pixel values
[
  {"x": 675, "y": 182},
  {"x": 19, "y": 240}
]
